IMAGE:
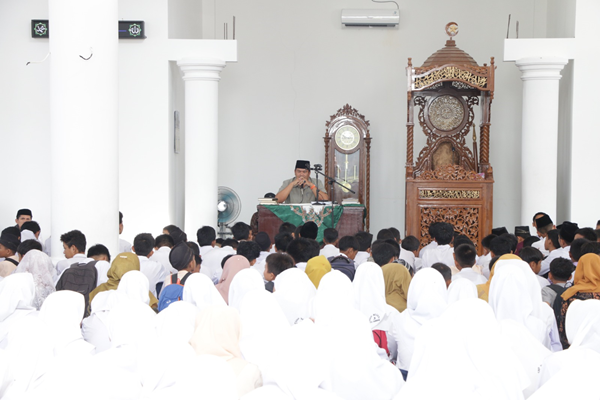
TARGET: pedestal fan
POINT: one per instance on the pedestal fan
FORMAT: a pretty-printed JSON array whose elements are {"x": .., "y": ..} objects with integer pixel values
[{"x": 229, "y": 206}]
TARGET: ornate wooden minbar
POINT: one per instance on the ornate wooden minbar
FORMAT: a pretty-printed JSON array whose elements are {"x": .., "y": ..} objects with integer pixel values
[{"x": 449, "y": 182}]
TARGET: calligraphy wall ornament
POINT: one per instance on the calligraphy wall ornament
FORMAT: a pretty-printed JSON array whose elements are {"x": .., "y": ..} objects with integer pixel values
[
  {"x": 446, "y": 92},
  {"x": 348, "y": 157}
]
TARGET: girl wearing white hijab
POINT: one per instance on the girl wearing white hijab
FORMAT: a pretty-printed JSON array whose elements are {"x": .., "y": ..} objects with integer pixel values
[
  {"x": 62, "y": 312},
  {"x": 218, "y": 333},
  {"x": 40, "y": 266},
  {"x": 246, "y": 280},
  {"x": 200, "y": 291},
  {"x": 265, "y": 330},
  {"x": 356, "y": 369},
  {"x": 514, "y": 295},
  {"x": 475, "y": 364},
  {"x": 583, "y": 333},
  {"x": 135, "y": 285},
  {"x": 17, "y": 292},
  {"x": 95, "y": 328},
  {"x": 369, "y": 291},
  {"x": 335, "y": 289},
  {"x": 294, "y": 292},
  {"x": 461, "y": 289},
  {"x": 426, "y": 300}
]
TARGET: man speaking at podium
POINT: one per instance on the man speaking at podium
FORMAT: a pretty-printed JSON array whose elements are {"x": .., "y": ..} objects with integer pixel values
[{"x": 302, "y": 188}]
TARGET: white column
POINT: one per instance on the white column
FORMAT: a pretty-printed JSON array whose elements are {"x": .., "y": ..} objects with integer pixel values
[
  {"x": 84, "y": 121},
  {"x": 201, "y": 76},
  {"x": 539, "y": 136}
]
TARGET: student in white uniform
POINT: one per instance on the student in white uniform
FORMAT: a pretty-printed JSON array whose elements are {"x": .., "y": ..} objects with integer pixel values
[
  {"x": 124, "y": 245},
  {"x": 533, "y": 257},
  {"x": 464, "y": 258},
  {"x": 162, "y": 247},
  {"x": 443, "y": 252},
  {"x": 74, "y": 249},
  {"x": 143, "y": 246},
  {"x": 433, "y": 244},
  {"x": 543, "y": 225},
  {"x": 300, "y": 250},
  {"x": 207, "y": 239},
  {"x": 330, "y": 239},
  {"x": 554, "y": 249},
  {"x": 264, "y": 242},
  {"x": 486, "y": 257},
  {"x": 211, "y": 264},
  {"x": 364, "y": 252}
]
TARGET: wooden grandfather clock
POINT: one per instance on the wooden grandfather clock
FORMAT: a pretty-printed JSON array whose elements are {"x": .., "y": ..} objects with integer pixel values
[
  {"x": 347, "y": 157},
  {"x": 449, "y": 182}
]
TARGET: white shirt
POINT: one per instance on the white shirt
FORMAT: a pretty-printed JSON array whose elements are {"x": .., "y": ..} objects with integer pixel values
[
  {"x": 124, "y": 246},
  {"x": 205, "y": 249},
  {"x": 329, "y": 250},
  {"x": 77, "y": 258},
  {"x": 154, "y": 271},
  {"x": 161, "y": 255},
  {"x": 211, "y": 263},
  {"x": 259, "y": 265},
  {"x": 409, "y": 257},
  {"x": 361, "y": 257},
  {"x": 541, "y": 246},
  {"x": 431, "y": 245},
  {"x": 302, "y": 266},
  {"x": 484, "y": 261},
  {"x": 542, "y": 281},
  {"x": 468, "y": 273},
  {"x": 440, "y": 253},
  {"x": 562, "y": 252}
]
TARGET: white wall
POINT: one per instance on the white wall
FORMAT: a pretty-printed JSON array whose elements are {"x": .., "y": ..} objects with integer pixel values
[{"x": 297, "y": 66}]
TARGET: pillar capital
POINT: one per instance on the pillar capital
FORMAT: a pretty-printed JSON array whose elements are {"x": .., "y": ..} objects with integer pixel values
[
  {"x": 541, "y": 68},
  {"x": 201, "y": 69}
]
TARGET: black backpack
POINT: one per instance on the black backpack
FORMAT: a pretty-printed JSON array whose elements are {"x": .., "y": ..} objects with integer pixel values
[
  {"x": 344, "y": 265},
  {"x": 558, "y": 301},
  {"x": 80, "y": 278}
]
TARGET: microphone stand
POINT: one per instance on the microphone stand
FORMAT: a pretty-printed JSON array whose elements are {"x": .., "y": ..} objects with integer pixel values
[{"x": 331, "y": 182}]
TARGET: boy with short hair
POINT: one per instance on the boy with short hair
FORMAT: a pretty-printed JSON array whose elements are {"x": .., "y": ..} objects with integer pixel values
[
  {"x": 275, "y": 264},
  {"x": 263, "y": 241},
  {"x": 486, "y": 257},
  {"x": 143, "y": 246},
  {"x": 534, "y": 257},
  {"x": 8, "y": 250},
  {"x": 300, "y": 251},
  {"x": 560, "y": 273},
  {"x": 445, "y": 271},
  {"x": 99, "y": 252},
  {"x": 344, "y": 262},
  {"x": 364, "y": 243},
  {"x": 207, "y": 239},
  {"x": 282, "y": 241},
  {"x": 444, "y": 234},
  {"x": 464, "y": 260},
  {"x": 162, "y": 248},
  {"x": 383, "y": 253},
  {"x": 74, "y": 243},
  {"x": 330, "y": 239}
]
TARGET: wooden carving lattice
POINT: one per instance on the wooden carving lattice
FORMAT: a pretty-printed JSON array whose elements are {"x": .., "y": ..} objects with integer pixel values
[{"x": 464, "y": 219}]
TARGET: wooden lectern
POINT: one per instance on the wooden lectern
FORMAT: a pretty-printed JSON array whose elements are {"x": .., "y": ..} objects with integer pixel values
[{"x": 448, "y": 183}]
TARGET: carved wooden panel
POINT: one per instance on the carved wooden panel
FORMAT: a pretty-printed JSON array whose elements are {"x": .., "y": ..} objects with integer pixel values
[{"x": 464, "y": 219}]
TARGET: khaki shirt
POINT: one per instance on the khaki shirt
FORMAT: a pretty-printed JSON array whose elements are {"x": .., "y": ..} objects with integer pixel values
[{"x": 298, "y": 195}]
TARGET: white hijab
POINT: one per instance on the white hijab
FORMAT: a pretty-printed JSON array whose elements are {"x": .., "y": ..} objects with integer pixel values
[
  {"x": 246, "y": 280},
  {"x": 200, "y": 291},
  {"x": 461, "y": 289},
  {"x": 356, "y": 370},
  {"x": 294, "y": 292},
  {"x": 264, "y": 330},
  {"x": 62, "y": 312},
  {"x": 40, "y": 266},
  {"x": 515, "y": 294},
  {"x": 17, "y": 292},
  {"x": 426, "y": 300},
  {"x": 335, "y": 293},
  {"x": 135, "y": 286},
  {"x": 475, "y": 365},
  {"x": 583, "y": 332},
  {"x": 369, "y": 293}
]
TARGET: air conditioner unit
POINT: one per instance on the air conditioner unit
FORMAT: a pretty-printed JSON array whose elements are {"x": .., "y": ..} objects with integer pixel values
[{"x": 370, "y": 17}]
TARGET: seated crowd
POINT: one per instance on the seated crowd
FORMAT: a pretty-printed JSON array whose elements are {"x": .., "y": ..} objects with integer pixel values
[{"x": 307, "y": 315}]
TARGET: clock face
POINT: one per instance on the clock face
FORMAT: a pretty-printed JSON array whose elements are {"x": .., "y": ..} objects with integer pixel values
[
  {"x": 347, "y": 137},
  {"x": 446, "y": 113}
]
